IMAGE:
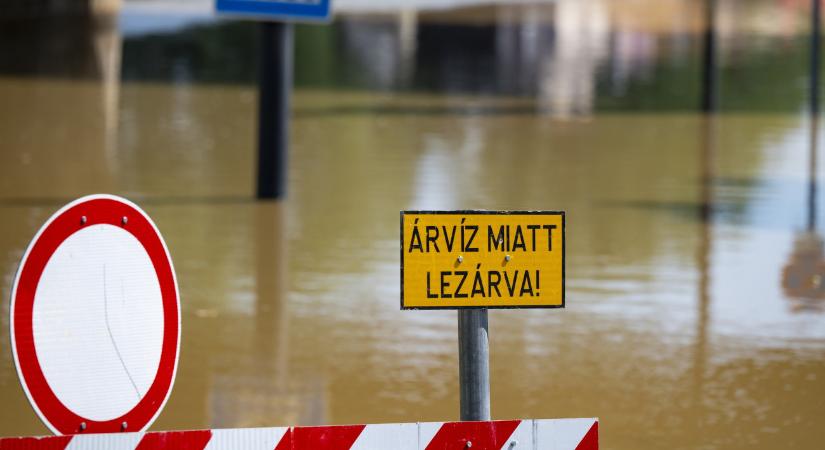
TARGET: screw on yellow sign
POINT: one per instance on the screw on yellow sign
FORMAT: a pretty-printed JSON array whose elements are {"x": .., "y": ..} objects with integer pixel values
[{"x": 482, "y": 259}]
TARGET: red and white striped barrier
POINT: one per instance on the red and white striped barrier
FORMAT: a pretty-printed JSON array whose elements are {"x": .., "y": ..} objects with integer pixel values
[{"x": 558, "y": 434}]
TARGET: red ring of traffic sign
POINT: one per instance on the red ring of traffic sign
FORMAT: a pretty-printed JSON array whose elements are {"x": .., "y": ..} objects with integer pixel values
[{"x": 76, "y": 216}]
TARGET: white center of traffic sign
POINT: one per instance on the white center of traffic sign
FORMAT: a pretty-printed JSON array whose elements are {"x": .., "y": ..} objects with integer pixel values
[
  {"x": 115, "y": 309},
  {"x": 95, "y": 318}
]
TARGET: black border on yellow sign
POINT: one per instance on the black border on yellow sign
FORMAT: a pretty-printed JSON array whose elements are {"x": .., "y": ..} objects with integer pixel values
[{"x": 485, "y": 212}]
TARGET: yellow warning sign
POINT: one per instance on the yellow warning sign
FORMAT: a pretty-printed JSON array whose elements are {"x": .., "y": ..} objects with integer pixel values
[{"x": 482, "y": 259}]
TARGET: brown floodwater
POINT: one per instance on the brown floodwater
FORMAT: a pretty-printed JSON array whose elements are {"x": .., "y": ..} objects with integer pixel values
[{"x": 695, "y": 314}]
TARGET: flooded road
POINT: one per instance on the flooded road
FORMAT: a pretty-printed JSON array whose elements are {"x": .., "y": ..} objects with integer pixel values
[{"x": 695, "y": 316}]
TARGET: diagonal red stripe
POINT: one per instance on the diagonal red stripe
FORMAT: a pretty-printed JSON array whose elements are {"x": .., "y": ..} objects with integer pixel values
[
  {"x": 483, "y": 435},
  {"x": 286, "y": 441},
  {"x": 320, "y": 438},
  {"x": 175, "y": 440},
  {"x": 35, "y": 443},
  {"x": 325, "y": 438},
  {"x": 590, "y": 441}
]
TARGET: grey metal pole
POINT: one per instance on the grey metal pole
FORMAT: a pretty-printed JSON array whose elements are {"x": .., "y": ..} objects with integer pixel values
[
  {"x": 274, "y": 86},
  {"x": 474, "y": 364}
]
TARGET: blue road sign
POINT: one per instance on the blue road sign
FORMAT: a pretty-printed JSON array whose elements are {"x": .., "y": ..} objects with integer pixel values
[{"x": 282, "y": 10}]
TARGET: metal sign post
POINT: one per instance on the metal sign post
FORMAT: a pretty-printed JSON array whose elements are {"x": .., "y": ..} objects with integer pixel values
[
  {"x": 814, "y": 113},
  {"x": 274, "y": 80},
  {"x": 476, "y": 260},
  {"x": 474, "y": 364},
  {"x": 815, "y": 38},
  {"x": 709, "y": 60},
  {"x": 274, "y": 85}
]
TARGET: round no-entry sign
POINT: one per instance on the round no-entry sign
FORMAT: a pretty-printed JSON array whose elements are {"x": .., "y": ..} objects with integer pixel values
[{"x": 95, "y": 318}]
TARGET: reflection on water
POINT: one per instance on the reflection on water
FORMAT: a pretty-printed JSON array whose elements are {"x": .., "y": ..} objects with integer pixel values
[
  {"x": 802, "y": 276},
  {"x": 694, "y": 317}
]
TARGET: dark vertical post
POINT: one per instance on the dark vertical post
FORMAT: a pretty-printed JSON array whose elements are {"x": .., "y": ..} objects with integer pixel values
[
  {"x": 815, "y": 38},
  {"x": 474, "y": 364},
  {"x": 274, "y": 84},
  {"x": 812, "y": 189},
  {"x": 814, "y": 110},
  {"x": 709, "y": 75}
]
